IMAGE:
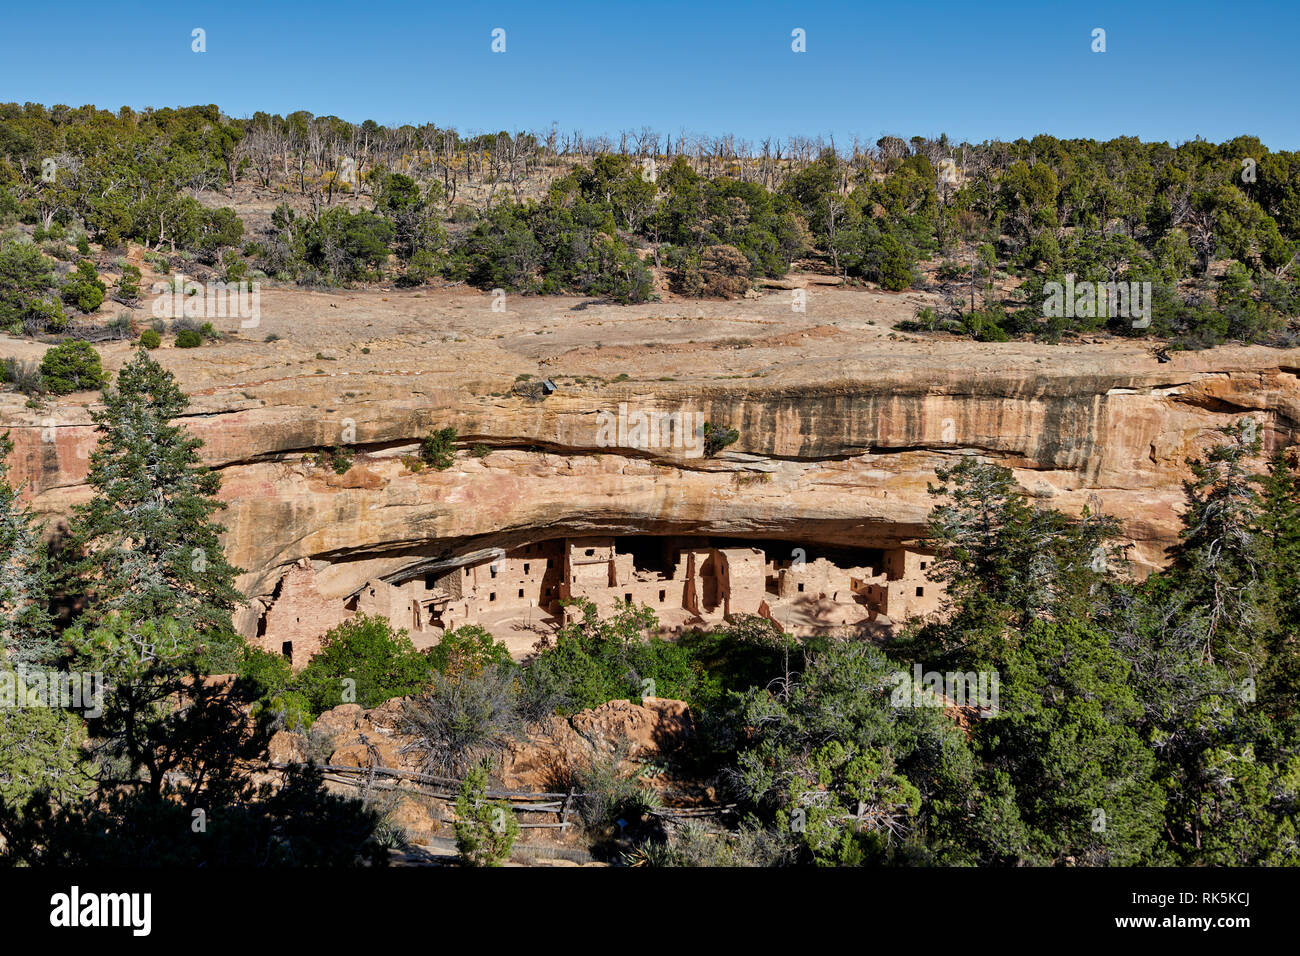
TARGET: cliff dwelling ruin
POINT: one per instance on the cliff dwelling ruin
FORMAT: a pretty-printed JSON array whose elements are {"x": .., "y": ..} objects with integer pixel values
[{"x": 689, "y": 582}]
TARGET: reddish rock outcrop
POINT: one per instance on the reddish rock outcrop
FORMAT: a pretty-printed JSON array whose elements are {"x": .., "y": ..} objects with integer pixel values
[
  {"x": 844, "y": 421},
  {"x": 652, "y": 731},
  {"x": 286, "y": 747}
]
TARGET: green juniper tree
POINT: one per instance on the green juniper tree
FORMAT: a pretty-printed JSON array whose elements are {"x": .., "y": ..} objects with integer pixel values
[
  {"x": 84, "y": 289},
  {"x": 1279, "y": 529},
  {"x": 160, "y": 715},
  {"x": 1219, "y": 560},
  {"x": 1006, "y": 563},
  {"x": 147, "y": 541},
  {"x": 1279, "y": 526},
  {"x": 25, "y": 279},
  {"x": 72, "y": 366},
  {"x": 850, "y": 773},
  {"x": 485, "y": 830},
  {"x": 1084, "y": 779},
  {"x": 25, "y": 625}
]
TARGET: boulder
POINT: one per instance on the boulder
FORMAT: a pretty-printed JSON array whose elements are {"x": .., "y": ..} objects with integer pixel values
[
  {"x": 342, "y": 718},
  {"x": 415, "y": 818},
  {"x": 337, "y": 725},
  {"x": 387, "y": 717},
  {"x": 287, "y": 747},
  {"x": 363, "y": 750},
  {"x": 548, "y": 758},
  {"x": 652, "y": 728}
]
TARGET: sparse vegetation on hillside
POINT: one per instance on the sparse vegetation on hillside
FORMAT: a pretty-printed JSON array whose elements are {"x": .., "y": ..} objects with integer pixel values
[{"x": 537, "y": 216}]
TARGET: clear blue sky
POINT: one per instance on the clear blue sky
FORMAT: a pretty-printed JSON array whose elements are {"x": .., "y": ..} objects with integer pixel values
[{"x": 973, "y": 69}]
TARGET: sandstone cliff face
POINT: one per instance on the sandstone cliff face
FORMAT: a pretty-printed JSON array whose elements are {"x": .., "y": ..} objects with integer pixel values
[{"x": 840, "y": 427}]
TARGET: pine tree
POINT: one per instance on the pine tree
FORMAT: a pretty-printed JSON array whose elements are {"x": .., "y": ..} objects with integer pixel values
[
  {"x": 148, "y": 544},
  {"x": 1006, "y": 563},
  {"x": 1219, "y": 560},
  {"x": 1279, "y": 529},
  {"x": 1279, "y": 525},
  {"x": 25, "y": 625},
  {"x": 159, "y": 715},
  {"x": 981, "y": 533},
  {"x": 41, "y": 753}
]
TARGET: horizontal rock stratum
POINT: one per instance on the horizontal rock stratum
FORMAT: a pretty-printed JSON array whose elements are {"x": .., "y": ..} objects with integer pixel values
[{"x": 841, "y": 424}]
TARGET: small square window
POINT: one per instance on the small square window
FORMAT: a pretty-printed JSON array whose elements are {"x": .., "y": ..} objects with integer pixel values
[
  {"x": 492, "y": 596},
  {"x": 662, "y": 595},
  {"x": 801, "y": 588},
  {"x": 627, "y": 599},
  {"x": 920, "y": 592},
  {"x": 525, "y": 567},
  {"x": 521, "y": 592}
]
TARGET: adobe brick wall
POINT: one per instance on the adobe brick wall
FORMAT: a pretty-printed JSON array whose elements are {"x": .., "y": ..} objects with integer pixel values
[
  {"x": 300, "y": 617},
  {"x": 744, "y": 579},
  {"x": 707, "y": 582}
]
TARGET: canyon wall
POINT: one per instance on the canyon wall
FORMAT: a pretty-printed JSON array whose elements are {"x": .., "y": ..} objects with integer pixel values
[{"x": 835, "y": 447}]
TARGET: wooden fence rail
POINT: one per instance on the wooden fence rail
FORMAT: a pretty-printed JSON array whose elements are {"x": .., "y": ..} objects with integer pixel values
[
  {"x": 520, "y": 801},
  {"x": 440, "y": 788}
]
